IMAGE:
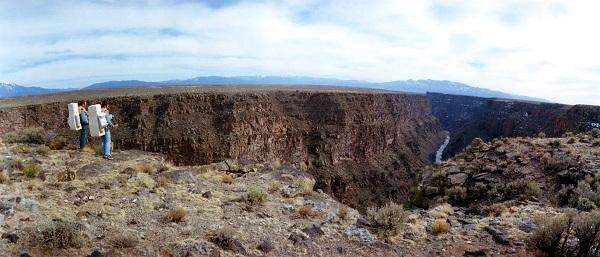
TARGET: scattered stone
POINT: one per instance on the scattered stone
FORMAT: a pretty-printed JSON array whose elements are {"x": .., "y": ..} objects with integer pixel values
[
  {"x": 527, "y": 226},
  {"x": 24, "y": 255},
  {"x": 11, "y": 237},
  {"x": 360, "y": 233},
  {"x": 94, "y": 169},
  {"x": 298, "y": 237},
  {"x": 476, "y": 252},
  {"x": 266, "y": 246},
  {"x": 95, "y": 253},
  {"x": 29, "y": 204},
  {"x": 498, "y": 236},
  {"x": 458, "y": 178},
  {"x": 313, "y": 231},
  {"x": 179, "y": 176},
  {"x": 207, "y": 194}
]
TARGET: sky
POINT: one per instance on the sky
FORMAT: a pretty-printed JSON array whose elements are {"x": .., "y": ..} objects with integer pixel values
[{"x": 547, "y": 48}]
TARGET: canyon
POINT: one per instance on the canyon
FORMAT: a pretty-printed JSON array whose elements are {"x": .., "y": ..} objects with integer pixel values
[
  {"x": 467, "y": 118},
  {"x": 363, "y": 147}
]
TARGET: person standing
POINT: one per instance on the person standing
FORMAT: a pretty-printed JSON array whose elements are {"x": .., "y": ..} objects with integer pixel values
[
  {"x": 85, "y": 122},
  {"x": 106, "y": 138}
]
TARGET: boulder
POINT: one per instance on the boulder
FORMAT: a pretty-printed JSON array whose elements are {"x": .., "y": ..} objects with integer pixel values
[{"x": 179, "y": 176}]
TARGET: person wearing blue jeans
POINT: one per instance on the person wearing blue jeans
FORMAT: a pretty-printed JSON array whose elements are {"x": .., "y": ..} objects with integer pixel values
[
  {"x": 84, "y": 119},
  {"x": 106, "y": 138}
]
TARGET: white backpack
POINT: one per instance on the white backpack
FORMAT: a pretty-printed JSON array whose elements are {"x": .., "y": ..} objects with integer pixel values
[
  {"x": 73, "y": 119},
  {"x": 97, "y": 120}
]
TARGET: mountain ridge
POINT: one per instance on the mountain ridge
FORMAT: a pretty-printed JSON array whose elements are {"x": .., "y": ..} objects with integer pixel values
[{"x": 417, "y": 86}]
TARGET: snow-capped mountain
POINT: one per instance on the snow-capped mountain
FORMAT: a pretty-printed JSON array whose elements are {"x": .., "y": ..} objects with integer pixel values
[{"x": 12, "y": 89}]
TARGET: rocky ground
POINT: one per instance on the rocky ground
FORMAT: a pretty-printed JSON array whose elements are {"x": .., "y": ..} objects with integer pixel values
[{"x": 73, "y": 203}]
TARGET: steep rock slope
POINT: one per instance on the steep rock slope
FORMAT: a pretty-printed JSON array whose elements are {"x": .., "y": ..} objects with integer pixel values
[
  {"x": 363, "y": 148},
  {"x": 467, "y": 117}
]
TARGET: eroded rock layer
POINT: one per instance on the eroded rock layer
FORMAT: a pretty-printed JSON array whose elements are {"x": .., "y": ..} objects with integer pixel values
[{"x": 363, "y": 148}]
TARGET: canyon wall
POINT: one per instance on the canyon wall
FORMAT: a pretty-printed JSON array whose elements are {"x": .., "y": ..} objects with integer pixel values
[
  {"x": 362, "y": 148},
  {"x": 467, "y": 117}
]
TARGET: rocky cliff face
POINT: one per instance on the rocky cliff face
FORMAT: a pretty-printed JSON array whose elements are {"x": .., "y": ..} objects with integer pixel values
[
  {"x": 363, "y": 148},
  {"x": 467, "y": 117}
]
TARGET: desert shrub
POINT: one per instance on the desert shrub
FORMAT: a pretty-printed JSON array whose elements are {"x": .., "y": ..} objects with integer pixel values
[
  {"x": 387, "y": 219},
  {"x": 34, "y": 135},
  {"x": 582, "y": 197},
  {"x": 274, "y": 186},
  {"x": 440, "y": 226},
  {"x": 342, "y": 213},
  {"x": 42, "y": 150},
  {"x": 65, "y": 176},
  {"x": 596, "y": 143},
  {"x": 16, "y": 164},
  {"x": 554, "y": 143},
  {"x": 254, "y": 197},
  {"x": 497, "y": 209},
  {"x": 306, "y": 184},
  {"x": 93, "y": 148},
  {"x": 176, "y": 214},
  {"x": 4, "y": 177},
  {"x": 30, "y": 171},
  {"x": 541, "y": 135},
  {"x": 552, "y": 233},
  {"x": 122, "y": 241},
  {"x": 57, "y": 143},
  {"x": 225, "y": 238},
  {"x": 59, "y": 234},
  {"x": 568, "y": 134},
  {"x": 519, "y": 190},
  {"x": 595, "y": 132},
  {"x": 572, "y": 140},
  {"x": 145, "y": 167},
  {"x": 456, "y": 194},
  {"x": 227, "y": 179},
  {"x": 587, "y": 230},
  {"x": 558, "y": 163},
  {"x": 306, "y": 211},
  {"x": 162, "y": 181}
]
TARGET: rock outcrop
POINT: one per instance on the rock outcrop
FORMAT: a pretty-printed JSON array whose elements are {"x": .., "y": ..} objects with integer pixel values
[{"x": 362, "y": 147}]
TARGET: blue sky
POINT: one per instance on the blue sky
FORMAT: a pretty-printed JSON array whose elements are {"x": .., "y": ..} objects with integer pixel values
[{"x": 540, "y": 48}]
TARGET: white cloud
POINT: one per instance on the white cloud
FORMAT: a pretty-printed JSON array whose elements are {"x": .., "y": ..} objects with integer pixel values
[{"x": 538, "y": 48}]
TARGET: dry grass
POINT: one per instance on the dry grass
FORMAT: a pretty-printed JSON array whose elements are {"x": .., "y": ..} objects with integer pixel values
[
  {"x": 16, "y": 164},
  {"x": 440, "y": 226},
  {"x": 122, "y": 241},
  {"x": 42, "y": 150},
  {"x": 4, "y": 177},
  {"x": 306, "y": 184},
  {"x": 176, "y": 214},
  {"x": 64, "y": 176},
  {"x": 387, "y": 219},
  {"x": 161, "y": 181},
  {"x": 274, "y": 186},
  {"x": 57, "y": 143},
  {"x": 30, "y": 171},
  {"x": 255, "y": 197},
  {"x": 59, "y": 235},
  {"x": 342, "y": 213},
  {"x": 307, "y": 211},
  {"x": 93, "y": 148},
  {"x": 225, "y": 238},
  {"x": 144, "y": 167},
  {"x": 227, "y": 179}
]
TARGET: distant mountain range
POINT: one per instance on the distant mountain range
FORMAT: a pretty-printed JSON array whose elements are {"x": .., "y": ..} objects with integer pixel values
[
  {"x": 418, "y": 86},
  {"x": 12, "y": 90}
]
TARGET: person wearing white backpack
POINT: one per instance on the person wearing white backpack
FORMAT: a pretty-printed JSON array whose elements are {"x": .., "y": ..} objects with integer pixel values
[
  {"x": 83, "y": 116},
  {"x": 106, "y": 143}
]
